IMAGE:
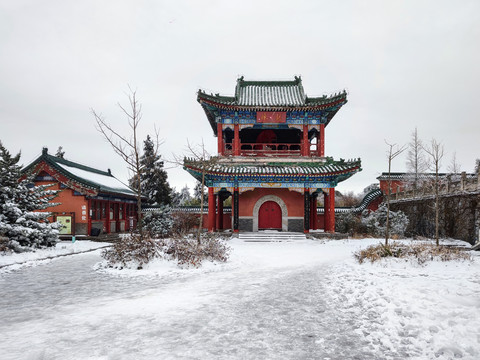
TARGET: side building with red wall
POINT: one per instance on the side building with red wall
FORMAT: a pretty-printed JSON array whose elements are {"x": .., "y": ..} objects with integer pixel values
[{"x": 91, "y": 201}]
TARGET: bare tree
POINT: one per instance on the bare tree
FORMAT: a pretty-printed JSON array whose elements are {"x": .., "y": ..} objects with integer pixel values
[
  {"x": 203, "y": 160},
  {"x": 435, "y": 151},
  {"x": 393, "y": 151},
  {"x": 127, "y": 146},
  {"x": 454, "y": 166},
  {"x": 416, "y": 161}
]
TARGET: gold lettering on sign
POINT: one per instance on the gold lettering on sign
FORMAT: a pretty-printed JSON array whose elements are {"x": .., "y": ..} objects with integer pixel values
[{"x": 271, "y": 117}]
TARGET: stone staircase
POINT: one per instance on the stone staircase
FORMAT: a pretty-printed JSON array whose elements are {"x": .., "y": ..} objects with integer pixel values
[{"x": 271, "y": 236}]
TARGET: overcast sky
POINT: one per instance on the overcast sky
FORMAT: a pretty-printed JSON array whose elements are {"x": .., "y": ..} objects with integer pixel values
[{"x": 405, "y": 64}]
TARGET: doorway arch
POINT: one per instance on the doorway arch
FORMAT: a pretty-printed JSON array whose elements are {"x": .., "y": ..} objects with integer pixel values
[
  {"x": 270, "y": 216},
  {"x": 279, "y": 202}
]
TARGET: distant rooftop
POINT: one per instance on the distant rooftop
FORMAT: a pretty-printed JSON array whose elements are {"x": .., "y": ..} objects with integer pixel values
[{"x": 408, "y": 176}]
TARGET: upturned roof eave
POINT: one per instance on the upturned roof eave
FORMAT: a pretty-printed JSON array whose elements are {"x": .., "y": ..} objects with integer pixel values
[
  {"x": 343, "y": 168},
  {"x": 218, "y": 102}
]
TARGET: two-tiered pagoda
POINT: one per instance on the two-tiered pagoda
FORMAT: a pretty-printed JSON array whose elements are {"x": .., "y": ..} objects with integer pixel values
[{"x": 271, "y": 157}]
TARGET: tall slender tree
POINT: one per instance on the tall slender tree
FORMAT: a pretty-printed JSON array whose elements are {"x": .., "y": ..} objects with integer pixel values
[
  {"x": 127, "y": 146},
  {"x": 454, "y": 166},
  {"x": 416, "y": 161},
  {"x": 393, "y": 151},
  {"x": 435, "y": 151}
]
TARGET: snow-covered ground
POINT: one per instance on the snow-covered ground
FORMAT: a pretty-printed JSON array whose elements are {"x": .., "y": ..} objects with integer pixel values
[
  {"x": 286, "y": 300},
  {"x": 15, "y": 261}
]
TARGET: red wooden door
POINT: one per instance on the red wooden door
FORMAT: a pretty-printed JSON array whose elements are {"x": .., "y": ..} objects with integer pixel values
[{"x": 270, "y": 216}]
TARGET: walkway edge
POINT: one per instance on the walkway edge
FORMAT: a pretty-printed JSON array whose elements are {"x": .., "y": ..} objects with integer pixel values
[{"x": 54, "y": 256}]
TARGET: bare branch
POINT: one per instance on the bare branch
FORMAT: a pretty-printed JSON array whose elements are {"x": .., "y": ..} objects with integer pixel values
[
  {"x": 393, "y": 151},
  {"x": 435, "y": 150},
  {"x": 126, "y": 148}
]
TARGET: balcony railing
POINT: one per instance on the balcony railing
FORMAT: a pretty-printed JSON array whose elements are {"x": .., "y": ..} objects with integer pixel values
[{"x": 265, "y": 149}]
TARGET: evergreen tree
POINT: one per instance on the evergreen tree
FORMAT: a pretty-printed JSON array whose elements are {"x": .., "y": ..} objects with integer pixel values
[
  {"x": 153, "y": 177},
  {"x": 184, "y": 197},
  {"x": 197, "y": 192},
  {"x": 20, "y": 221}
]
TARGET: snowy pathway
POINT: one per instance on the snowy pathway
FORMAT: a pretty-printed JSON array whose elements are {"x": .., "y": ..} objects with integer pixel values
[{"x": 271, "y": 301}]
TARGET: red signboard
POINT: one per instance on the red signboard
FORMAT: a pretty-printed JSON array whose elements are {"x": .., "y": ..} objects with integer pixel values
[{"x": 270, "y": 117}]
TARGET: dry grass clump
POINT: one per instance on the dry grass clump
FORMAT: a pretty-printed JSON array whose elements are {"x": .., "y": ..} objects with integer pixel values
[{"x": 419, "y": 252}]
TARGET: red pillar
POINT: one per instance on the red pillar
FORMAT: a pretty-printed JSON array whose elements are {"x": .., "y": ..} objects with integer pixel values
[
  {"x": 236, "y": 140},
  {"x": 331, "y": 211},
  {"x": 305, "y": 142},
  {"x": 313, "y": 212},
  {"x": 89, "y": 218},
  {"x": 326, "y": 212},
  {"x": 306, "y": 210},
  {"x": 235, "y": 209},
  {"x": 211, "y": 210},
  {"x": 321, "y": 141},
  {"x": 220, "y": 212},
  {"x": 108, "y": 217},
  {"x": 220, "y": 139}
]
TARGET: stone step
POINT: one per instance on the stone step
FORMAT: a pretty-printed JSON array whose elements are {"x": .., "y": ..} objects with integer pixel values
[{"x": 271, "y": 236}]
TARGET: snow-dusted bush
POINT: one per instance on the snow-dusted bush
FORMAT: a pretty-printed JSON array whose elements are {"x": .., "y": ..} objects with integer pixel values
[
  {"x": 184, "y": 222},
  {"x": 131, "y": 250},
  {"x": 375, "y": 221},
  {"x": 187, "y": 251},
  {"x": 349, "y": 223},
  {"x": 20, "y": 221},
  {"x": 159, "y": 223},
  {"x": 419, "y": 252}
]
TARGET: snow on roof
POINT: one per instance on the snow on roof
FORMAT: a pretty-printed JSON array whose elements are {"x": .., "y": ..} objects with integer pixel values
[{"x": 105, "y": 181}]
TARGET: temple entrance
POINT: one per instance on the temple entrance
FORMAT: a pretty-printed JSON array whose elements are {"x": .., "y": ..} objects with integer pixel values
[{"x": 270, "y": 216}]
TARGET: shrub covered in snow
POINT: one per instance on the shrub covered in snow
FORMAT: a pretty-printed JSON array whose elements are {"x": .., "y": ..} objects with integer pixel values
[
  {"x": 187, "y": 251},
  {"x": 349, "y": 223},
  {"x": 159, "y": 223},
  {"x": 375, "y": 221},
  {"x": 20, "y": 221},
  {"x": 133, "y": 252},
  {"x": 419, "y": 252},
  {"x": 184, "y": 222}
]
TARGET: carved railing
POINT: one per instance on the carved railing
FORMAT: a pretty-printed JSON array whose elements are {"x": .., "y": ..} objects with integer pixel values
[{"x": 265, "y": 149}]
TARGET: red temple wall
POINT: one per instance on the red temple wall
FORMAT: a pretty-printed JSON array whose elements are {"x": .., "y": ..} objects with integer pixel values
[
  {"x": 293, "y": 200},
  {"x": 227, "y": 221},
  {"x": 394, "y": 185},
  {"x": 68, "y": 202}
]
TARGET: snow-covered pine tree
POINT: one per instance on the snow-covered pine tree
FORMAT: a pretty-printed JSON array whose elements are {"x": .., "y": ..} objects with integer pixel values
[
  {"x": 154, "y": 182},
  {"x": 197, "y": 193},
  {"x": 20, "y": 222},
  {"x": 184, "y": 197}
]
